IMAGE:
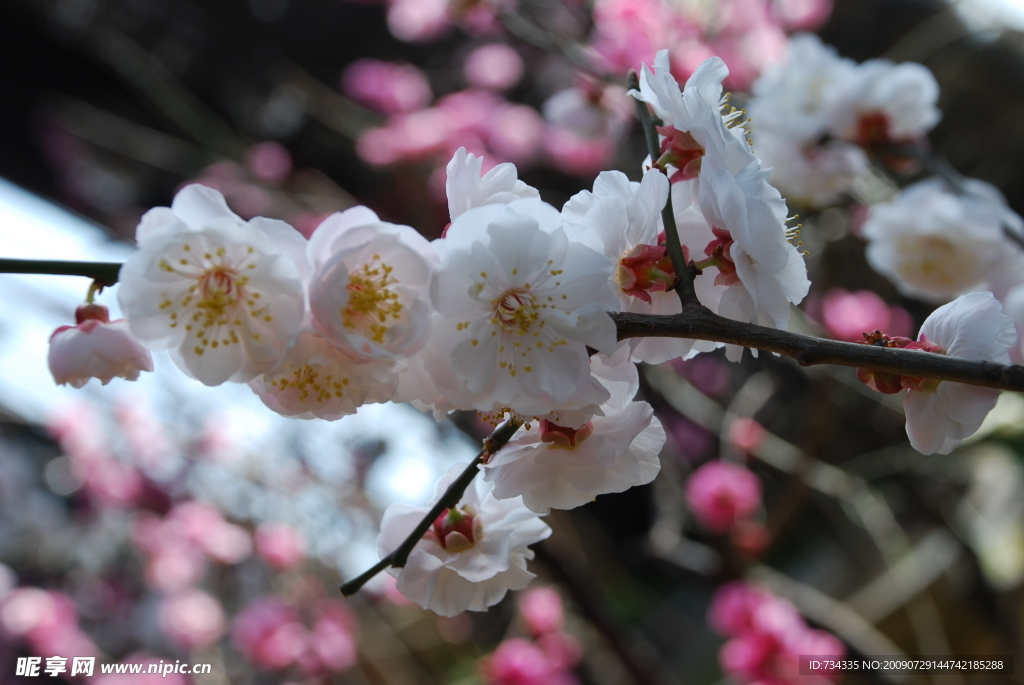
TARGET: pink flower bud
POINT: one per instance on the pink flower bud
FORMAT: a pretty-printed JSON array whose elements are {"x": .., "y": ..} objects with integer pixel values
[
  {"x": 720, "y": 493},
  {"x": 541, "y": 608},
  {"x": 280, "y": 545},
  {"x": 457, "y": 529},
  {"x": 96, "y": 348},
  {"x": 646, "y": 269}
]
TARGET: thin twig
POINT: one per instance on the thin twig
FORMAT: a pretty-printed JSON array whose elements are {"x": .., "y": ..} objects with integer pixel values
[
  {"x": 684, "y": 274},
  {"x": 103, "y": 272},
  {"x": 492, "y": 443}
]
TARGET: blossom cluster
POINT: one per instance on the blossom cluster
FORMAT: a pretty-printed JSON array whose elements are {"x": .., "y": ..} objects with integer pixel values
[
  {"x": 818, "y": 116},
  {"x": 819, "y": 120},
  {"x": 507, "y": 314},
  {"x": 766, "y": 636}
]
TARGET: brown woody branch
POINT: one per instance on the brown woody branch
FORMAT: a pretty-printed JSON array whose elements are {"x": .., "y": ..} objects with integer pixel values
[{"x": 699, "y": 323}]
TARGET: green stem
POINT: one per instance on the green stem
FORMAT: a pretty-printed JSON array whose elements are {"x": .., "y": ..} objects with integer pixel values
[
  {"x": 104, "y": 273},
  {"x": 492, "y": 443},
  {"x": 684, "y": 274}
]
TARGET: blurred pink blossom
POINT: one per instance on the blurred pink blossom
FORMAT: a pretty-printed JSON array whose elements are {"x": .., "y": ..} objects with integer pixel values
[
  {"x": 767, "y": 635},
  {"x": 515, "y": 132},
  {"x": 280, "y": 545},
  {"x": 191, "y": 619},
  {"x": 495, "y": 66},
  {"x": 746, "y": 434},
  {"x": 541, "y": 608},
  {"x": 519, "y": 662},
  {"x": 332, "y": 639},
  {"x": 847, "y": 316},
  {"x": 563, "y": 650},
  {"x": 720, "y": 493},
  {"x": 803, "y": 15},
  {"x": 46, "y": 620},
  {"x": 386, "y": 87},
  {"x": 418, "y": 21},
  {"x": 269, "y": 161},
  {"x": 269, "y": 634}
]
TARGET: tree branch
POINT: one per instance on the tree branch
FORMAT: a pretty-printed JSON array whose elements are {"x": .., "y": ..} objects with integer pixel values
[
  {"x": 103, "y": 272},
  {"x": 492, "y": 443},
  {"x": 699, "y": 323},
  {"x": 684, "y": 275}
]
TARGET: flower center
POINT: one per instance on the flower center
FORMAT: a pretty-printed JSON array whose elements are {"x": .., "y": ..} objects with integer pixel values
[
  {"x": 309, "y": 380},
  {"x": 873, "y": 129},
  {"x": 564, "y": 438},
  {"x": 516, "y": 311},
  {"x": 371, "y": 300},
  {"x": 457, "y": 529},
  {"x": 643, "y": 270},
  {"x": 219, "y": 288},
  {"x": 681, "y": 150},
  {"x": 719, "y": 255}
]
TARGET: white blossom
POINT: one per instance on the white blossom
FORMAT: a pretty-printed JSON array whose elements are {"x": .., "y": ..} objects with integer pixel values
[
  {"x": 794, "y": 98},
  {"x": 935, "y": 244},
  {"x": 369, "y": 291},
  {"x": 518, "y": 303},
  {"x": 554, "y": 466},
  {"x": 941, "y": 414},
  {"x": 816, "y": 175},
  {"x": 318, "y": 380},
  {"x": 885, "y": 103},
  {"x": 96, "y": 348},
  {"x": 696, "y": 111},
  {"x": 466, "y": 188},
  {"x": 471, "y": 556},
  {"x": 752, "y": 272},
  {"x": 224, "y": 296},
  {"x": 622, "y": 220}
]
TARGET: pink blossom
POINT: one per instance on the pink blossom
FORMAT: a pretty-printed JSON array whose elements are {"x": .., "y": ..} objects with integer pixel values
[
  {"x": 386, "y": 87},
  {"x": 563, "y": 650},
  {"x": 96, "y": 348},
  {"x": 332, "y": 639},
  {"x": 519, "y": 662},
  {"x": 803, "y": 15},
  {"x": 733, "y": 606},
  {"x": 515, "y": 132},
  {"x": 494, "y": 66},
  {"x": 174, "y": 567},
  {"x": 418, "y": 21},
  {"x": 46, "y": 620},
  {"x": 191, "y": 619},
  {"x": 720, "y": 493},
  {"x": 575, "y": 155},
  {"x": 848, "y": 315},
  {"x": 268, "y": 633},
  {"x": 746, "y": 434},
  {"x": 269, "y": 161},
  {"x": 280, "y": 545},
  {"x": 767, "y": 635},
  {"x": 541, "y": 608}
]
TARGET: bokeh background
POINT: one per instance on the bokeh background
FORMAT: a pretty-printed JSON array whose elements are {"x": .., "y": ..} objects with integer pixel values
[{"x": 166, "y": 520}]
